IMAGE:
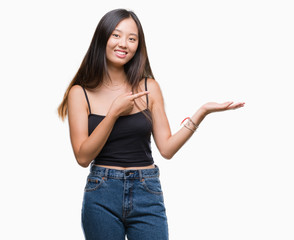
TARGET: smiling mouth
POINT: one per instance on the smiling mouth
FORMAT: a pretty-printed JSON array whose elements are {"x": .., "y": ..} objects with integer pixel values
[{"x": 120, "y": 54}]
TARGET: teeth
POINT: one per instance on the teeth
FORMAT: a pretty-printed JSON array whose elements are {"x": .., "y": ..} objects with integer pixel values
[{"x": 122, "y": 53}]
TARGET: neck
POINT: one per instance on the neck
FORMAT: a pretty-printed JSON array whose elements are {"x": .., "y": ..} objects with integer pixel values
[{"x": 116, "y": 76}]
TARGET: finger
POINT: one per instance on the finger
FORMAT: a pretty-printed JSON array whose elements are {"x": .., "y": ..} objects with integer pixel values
[
  {"x": 237, "y": 105},
  {"x": 140, "y": 94},
  {"x": 227, "y": 104}
]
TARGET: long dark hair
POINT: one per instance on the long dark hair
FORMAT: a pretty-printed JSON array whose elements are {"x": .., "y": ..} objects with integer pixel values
[{"x": 94, "y": 66}]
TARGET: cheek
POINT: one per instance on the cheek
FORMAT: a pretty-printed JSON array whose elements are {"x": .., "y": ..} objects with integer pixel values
[
  {"x": 109, "y": 47},
  {"x": 110, "y": 44},
  {"x": 107, "y": 52},
  {"x": 133, "y": 49}
]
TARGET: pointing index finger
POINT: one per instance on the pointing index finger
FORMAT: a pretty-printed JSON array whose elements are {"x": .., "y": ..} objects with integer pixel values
[{"x": 139, "y": 94}]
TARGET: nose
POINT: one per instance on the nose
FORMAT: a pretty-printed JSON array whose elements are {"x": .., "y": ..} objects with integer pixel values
[{"x": 122, "y": 42}]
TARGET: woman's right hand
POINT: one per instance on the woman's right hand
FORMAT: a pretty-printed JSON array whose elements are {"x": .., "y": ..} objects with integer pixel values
[{"x": 124, "y": 104}]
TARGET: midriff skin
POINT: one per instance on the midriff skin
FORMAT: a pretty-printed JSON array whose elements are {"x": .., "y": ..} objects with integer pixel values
[{"x": 126, "y": 168}]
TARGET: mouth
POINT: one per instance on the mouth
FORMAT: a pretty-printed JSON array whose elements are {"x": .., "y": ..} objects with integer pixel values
[{"x": 120, "y": 53}]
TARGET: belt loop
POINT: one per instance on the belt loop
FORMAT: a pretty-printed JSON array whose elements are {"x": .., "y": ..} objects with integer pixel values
[
  {"x": 141, "y": 176},
  {"x": 106, "y": 174}
]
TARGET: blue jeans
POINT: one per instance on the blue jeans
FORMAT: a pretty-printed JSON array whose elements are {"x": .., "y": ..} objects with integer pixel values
[{"x": 119, "y": 203}]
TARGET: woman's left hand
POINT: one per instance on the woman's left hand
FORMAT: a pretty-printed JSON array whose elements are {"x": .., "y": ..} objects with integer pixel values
[{"x": 211, "y": 107}]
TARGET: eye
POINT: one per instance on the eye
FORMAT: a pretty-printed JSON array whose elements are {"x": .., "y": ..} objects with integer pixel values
[
  {"x": 132, "y": 39},
  {"x": 115, "y": 35}
]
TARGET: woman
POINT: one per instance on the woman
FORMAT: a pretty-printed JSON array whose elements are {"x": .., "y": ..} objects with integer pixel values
[{"x": 114, "y": 105}]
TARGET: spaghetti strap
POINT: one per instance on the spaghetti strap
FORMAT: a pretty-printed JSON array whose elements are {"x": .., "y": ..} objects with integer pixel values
[
  {"x": 87, "y": 100},
  {"x": 147, "y": 100}
]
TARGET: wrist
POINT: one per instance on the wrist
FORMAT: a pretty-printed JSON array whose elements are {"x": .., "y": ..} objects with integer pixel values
[
  {"x": 202, "y": 112},
  {"x": 112, "y": 115},
  {"x": 199, "y": 115},
  {"x": 189, "y": 124}
]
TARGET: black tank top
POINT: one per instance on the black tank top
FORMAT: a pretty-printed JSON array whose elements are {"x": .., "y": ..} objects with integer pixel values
[{"x": 128, "y": 144}]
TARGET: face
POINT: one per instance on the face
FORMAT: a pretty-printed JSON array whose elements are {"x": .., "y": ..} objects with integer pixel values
[{"x": 123, "y": 43}]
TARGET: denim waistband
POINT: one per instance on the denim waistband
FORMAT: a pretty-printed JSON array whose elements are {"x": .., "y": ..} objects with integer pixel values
[{"x": 124, "y": 174}]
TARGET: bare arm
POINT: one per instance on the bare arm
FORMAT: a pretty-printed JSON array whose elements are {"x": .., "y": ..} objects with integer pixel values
[
  {"x": 167, "y": 143},
  {"x": 85, "y": 147}
]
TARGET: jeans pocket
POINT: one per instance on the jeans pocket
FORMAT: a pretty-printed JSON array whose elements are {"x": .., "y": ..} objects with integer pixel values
[
  {"x": 152, "y": 185},
  {"x": 93, "y": 183}
]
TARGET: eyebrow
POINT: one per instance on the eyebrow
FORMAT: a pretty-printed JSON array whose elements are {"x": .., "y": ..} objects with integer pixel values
[{"x": 130, "y": 33}]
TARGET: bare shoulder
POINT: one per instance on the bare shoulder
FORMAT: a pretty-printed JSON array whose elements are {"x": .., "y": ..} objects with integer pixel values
[
  {"x": 154, "y": 89},
  {"x": 155, "y": 94},
  {"x": 76, "y": 99},
  {"x": 152, "y": 85},
  {"x": 76, "y": 91}
]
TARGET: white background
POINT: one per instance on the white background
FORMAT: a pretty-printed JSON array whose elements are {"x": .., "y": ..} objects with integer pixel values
[{"x": 232, "y": 180}]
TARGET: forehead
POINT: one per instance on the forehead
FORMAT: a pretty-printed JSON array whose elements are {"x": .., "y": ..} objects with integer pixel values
[{"x": 127, "y": 25}]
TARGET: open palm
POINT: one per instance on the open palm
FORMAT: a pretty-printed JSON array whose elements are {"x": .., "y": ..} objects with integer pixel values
[{"x": 217, "y": 107}]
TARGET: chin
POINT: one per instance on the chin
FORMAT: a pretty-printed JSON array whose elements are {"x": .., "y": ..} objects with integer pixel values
[{"x": 118, "y": 63}]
